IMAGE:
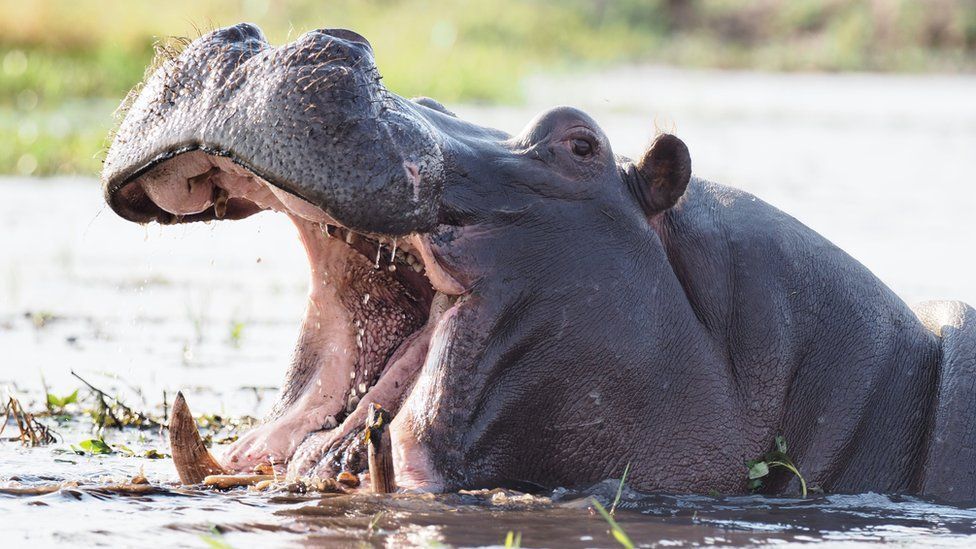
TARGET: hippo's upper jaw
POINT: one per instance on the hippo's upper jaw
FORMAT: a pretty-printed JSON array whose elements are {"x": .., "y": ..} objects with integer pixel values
[{"x": 311, "y": 118}]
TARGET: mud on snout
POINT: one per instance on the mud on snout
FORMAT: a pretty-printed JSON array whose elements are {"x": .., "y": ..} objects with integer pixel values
[{"x": 232, "y": 127}]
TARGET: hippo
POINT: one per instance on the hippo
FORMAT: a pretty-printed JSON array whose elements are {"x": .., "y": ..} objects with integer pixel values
[{"x": 533, "y": 310}]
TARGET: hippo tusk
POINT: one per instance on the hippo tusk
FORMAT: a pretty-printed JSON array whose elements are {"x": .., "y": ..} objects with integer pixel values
[
  {"x": 380, "y": 450},
  {"x": 192, "y": 459}
]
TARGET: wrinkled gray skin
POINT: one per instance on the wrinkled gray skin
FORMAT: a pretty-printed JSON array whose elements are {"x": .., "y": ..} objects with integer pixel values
[{"x": 612, "y": 312}]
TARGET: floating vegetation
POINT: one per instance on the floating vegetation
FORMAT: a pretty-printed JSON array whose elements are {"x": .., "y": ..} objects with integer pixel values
[
  {"x": 111, "y": 412},
  {"x": 56, "y": 404},
  {"x": 94, "y": 446},
  {"x": 32, "y": 431},
  {"x": 152, "y": 453},
  {"x": 216, "y": 423},
  {"x": 106, "y": 412}
]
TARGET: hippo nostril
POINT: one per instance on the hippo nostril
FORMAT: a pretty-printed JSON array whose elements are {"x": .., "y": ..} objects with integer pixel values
[
  {"x": 413, "y": 176},
  {"x": 243, "y": 37},
  {"x": 243, "y": 32},
  {"x": 349, "y": 36}
]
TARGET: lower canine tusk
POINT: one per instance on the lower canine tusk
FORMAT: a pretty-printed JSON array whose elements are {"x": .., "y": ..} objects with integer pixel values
[
  {"x": 379, "y": 450},
  {"x": 192, "y": 459}
]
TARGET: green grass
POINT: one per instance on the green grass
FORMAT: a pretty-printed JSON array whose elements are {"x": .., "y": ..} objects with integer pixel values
[
  {"x": 66, "y": 64},
  {"x": 616, "y": 531}
]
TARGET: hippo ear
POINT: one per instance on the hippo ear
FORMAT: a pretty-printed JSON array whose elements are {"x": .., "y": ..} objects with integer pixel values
[{"x": 661, "y": 175}]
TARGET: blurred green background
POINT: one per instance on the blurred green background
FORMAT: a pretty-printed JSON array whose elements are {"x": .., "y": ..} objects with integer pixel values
[{"x": 67, "y": 64}]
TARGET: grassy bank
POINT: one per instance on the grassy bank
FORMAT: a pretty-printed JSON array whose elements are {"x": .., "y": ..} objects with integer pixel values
[{"x": 66, "y": 64}]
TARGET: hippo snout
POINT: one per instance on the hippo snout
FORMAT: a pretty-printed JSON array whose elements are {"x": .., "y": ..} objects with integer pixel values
[{"x": 311, "y": 118}]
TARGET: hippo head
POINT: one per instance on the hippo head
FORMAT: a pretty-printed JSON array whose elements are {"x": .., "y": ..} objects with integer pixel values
[{"x": 446, "y": 258}]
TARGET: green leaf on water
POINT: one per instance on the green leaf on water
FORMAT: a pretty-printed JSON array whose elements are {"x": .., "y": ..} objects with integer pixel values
[
  {"x": 95, "y": 446},
  {"x": 56, "y": 403}
]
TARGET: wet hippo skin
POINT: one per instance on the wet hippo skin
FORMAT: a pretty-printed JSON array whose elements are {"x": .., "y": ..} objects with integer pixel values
[{"x": 536, "y": 310}]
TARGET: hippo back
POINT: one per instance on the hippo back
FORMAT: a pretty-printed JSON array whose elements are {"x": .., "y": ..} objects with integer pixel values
[{"x": 821, "y": 351}]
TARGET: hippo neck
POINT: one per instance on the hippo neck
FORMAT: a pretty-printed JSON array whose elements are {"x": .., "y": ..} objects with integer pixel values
[{"x": 659, "y": 353}]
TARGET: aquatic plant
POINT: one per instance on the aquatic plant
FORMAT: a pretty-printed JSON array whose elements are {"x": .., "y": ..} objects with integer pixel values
[
  {"x": 615, "y": 530},
  {"x": 93, "y": 446},
  {"x": 110, "y": 411},
  {"x": 236, "y": 333},
  {"x": 32, "y": 431},
  {"x": 56, "y": 404},
  {"x": 759, "y": 468},
  {"x": 620, "y": 490}
]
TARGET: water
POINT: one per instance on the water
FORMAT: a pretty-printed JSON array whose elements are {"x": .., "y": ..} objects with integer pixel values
[
  {"x": 183, "y": 517},
  {"x": 85, "y": 516},
  {"x": 881, "y": 165}
]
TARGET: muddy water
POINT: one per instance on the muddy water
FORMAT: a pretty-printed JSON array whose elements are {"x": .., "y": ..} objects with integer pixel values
[{"x": 881, "y": 165}]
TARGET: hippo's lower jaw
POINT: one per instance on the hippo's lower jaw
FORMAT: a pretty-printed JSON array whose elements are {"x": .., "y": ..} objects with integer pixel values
[{"x": 374, "y": 304}]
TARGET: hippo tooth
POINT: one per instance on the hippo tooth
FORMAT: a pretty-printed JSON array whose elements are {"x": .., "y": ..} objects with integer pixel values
[
  {"x": 392, "y": 267},
  {"x": 362, "y": 387},
  {"x": 418, "y": 267},
  {"x": 350, "y": 237},
  {"x": 330, "y": 423},
  {"x": 192, "y": 459},
  {"x": 353, "y": 402},
  {"x": 220, "y": 203}
]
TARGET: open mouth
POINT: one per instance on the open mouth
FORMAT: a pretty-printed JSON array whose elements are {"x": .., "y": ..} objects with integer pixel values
[
  {"x": 233, "y": 126},
  {"x": 374, "y": 303}
]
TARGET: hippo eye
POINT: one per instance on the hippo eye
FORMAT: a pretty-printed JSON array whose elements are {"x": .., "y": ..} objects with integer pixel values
[{"x": 582, "y": 147}]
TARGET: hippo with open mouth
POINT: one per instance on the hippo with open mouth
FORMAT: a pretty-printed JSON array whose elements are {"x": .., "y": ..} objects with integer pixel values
[{"x": 535, "y": 310}]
